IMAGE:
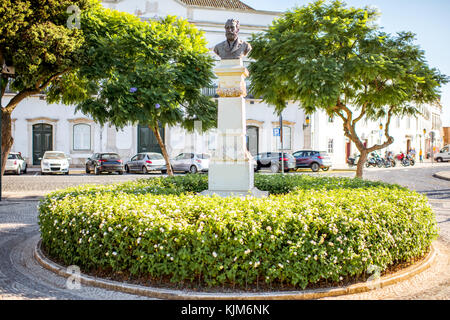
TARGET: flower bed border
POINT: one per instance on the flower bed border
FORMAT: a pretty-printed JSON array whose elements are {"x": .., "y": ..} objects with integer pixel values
[{"x": 171, "y": 294}]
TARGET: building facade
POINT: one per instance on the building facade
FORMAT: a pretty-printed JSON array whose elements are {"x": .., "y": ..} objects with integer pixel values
[{"x": 38, "y": 127}]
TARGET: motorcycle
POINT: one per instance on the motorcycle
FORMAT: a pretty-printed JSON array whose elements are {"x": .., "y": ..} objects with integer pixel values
[
  {"x": 406, "y": 160},
  {"x": 375, "y": 161},
  {"x": 389, "y": 162},
  {"x": 353, "y": 161}
]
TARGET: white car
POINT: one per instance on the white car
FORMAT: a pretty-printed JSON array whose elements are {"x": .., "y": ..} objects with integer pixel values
[
  {"x": 16, "y": 163},
  {"x": 191, "y": 162},
  {"x": 54, "y": 162},
  {"x": 443, "y": 155}
]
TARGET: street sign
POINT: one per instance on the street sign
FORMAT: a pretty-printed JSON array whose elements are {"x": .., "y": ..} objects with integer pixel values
[{"x": 276, "y": 132}]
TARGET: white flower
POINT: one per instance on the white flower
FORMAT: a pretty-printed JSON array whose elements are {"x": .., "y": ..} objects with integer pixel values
[
  {"x": 214, "y": 254},
  {"x": 247, "y": 251},
  {"x": 114, "y": 253}
]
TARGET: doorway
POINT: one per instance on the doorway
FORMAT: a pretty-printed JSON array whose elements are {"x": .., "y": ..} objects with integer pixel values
[
  {"x": 42, "y": 141},
  {"x": 147, "y": 141},
  {"x": 253, "y": 140}
]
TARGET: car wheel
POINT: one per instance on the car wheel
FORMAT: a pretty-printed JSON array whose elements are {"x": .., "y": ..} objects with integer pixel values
[
  {"x": 87, "y": 169},
  {"x": 439, "y": 160},
  {"x": 274, "y": 168},
  {"x": 193, "y": 170},
  {"x": 326, "y": 168},
  {"x": 127, "y": 169},
  {"x": 96, "y": 171},
  {"x": 42, "y": 173},
  {"x": 66, "y": 173},
  {"x": 120, "y": 172},
  {"x": 144, "y": 170},
  {"x": 315, "y": 167}
]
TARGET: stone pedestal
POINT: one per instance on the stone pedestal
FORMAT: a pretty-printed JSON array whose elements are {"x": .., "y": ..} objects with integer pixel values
[{"x": 231, "y": 169}]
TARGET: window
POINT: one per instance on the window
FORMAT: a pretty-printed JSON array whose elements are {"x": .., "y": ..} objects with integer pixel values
[
  {"x": 330, "y": 145},
  {"x": 286, "y": 139},
  {"x": 81, "y": 137},
  {"x": 212, "y": 140}
]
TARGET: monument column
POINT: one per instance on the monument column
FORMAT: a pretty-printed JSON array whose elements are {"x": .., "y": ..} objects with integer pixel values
[{"x": 231, "y": 170}]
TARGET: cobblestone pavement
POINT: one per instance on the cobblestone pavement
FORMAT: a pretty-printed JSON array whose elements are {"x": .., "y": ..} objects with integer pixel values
[{"x": 21, "y": 277}]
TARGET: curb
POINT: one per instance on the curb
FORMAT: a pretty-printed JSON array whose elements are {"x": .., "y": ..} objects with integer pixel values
[
  {"x": 441, "y": 175},
  {"x": 169, "y": 294}
]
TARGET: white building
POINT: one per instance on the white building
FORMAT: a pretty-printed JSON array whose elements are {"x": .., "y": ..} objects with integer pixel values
[{"x": 38, "y": 127}]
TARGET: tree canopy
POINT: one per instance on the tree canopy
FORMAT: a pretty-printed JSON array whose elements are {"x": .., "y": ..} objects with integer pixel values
[
  {"x": 337, "y": 59},
  {"x": 140, "y": 72},
  {"x": 35, "y": 39}
]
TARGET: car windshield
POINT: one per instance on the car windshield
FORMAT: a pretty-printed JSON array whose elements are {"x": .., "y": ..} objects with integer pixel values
[
  {"x": 12, "y": 156},
  {"x": 110, "y": 156},
  {"x": 56, "y": 155},
  {"x": 155, "y": 156}
]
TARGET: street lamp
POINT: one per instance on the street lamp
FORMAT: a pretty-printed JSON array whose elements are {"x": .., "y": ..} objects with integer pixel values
[{"x": 306, "y": 124}]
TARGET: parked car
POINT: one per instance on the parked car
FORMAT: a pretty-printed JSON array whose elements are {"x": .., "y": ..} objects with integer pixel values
[
  {"x": 54, "y": 162},
  {"x": 104, "y": 162},
  {"x": 16, "y": 163},
  {"x": 191, "y": 162},
  {"x": 146, "y": 162},
  {"x": 315, "y": 160},
  {"x": 272, "y": 160},
  {"x": 443, "y": 155}
]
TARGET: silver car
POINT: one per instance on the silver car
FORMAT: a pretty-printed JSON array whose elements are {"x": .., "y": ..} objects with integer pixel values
[
  {"x": 191, "y": 162},
  {"x": 16, "y": 163},
  {"x": 146, "y": 162}
]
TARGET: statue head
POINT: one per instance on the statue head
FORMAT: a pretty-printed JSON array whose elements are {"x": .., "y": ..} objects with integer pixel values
[{"x": 232, "y": 29}]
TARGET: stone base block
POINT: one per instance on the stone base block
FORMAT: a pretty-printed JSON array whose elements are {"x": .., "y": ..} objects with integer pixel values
[
  {"x": 230, "y": 175},
  {"x": 256, "y": 193}
]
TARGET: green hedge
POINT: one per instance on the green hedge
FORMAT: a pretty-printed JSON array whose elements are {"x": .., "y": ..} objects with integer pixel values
[{"x": 325, "y": 228}]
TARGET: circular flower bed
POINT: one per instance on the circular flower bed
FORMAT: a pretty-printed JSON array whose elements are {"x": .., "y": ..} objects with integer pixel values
[{"x": 308, "y": 230}]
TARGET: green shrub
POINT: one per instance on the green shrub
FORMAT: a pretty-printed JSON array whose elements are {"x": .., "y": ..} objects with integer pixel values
[{"x": 323, "y": 229}]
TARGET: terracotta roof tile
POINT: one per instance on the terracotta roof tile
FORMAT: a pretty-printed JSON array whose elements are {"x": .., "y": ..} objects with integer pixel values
[{"x": 225, "y": 4}]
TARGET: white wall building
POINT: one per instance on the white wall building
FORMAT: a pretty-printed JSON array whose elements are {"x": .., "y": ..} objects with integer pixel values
[{"x": 38, "y": 126}]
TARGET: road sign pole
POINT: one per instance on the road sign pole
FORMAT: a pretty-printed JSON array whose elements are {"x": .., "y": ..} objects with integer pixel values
[{"x": 282, "y": 147}]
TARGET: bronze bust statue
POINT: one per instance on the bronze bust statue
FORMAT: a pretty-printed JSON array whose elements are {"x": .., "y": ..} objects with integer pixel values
[{"x": 233, "y": 47}]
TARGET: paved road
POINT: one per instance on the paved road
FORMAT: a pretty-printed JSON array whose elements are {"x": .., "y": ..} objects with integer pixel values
[{"x": 22, "y": 278}]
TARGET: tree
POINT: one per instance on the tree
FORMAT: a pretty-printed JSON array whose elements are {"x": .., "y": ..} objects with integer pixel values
[
  {"x": 141, "y": 72},
  {"x": 35, "y": 39},
  {"x": 329, "y": 57}
]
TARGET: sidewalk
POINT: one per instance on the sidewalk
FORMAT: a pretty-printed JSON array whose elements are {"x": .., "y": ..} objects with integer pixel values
[{"x": 444, "y": 175}]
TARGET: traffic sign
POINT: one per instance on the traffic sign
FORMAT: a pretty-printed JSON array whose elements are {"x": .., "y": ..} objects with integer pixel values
[{"x": 276, "y": 132}]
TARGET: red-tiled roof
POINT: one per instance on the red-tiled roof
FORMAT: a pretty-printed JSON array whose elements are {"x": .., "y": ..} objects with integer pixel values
[{"x": 225, "y": 4}]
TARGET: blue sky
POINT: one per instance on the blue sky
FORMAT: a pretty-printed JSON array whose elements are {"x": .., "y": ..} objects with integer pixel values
[{"x": 428, "y": 19}]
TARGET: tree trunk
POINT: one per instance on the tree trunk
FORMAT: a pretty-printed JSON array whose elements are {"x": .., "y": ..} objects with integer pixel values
[
  {"x": 155, "y": 130},
  {"x": 7, "y": 139},
  {"x": 361, "y": 163}
]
